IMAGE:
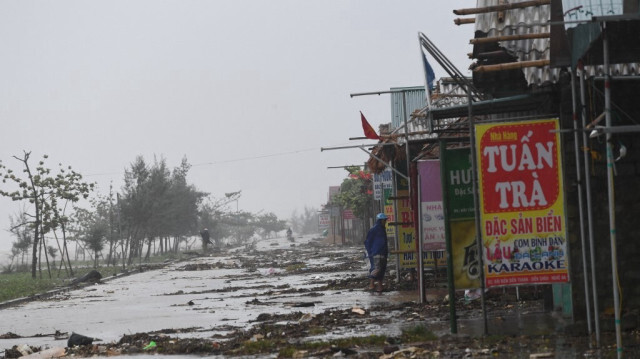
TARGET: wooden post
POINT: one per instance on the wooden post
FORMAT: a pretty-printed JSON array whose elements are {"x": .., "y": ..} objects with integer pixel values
[
  {"x": 485, "y": 40},
  {"x": 461, "y": 21},
  {"x": 512, "y": 66},
  {"x": 501, "y": 12},
  {"x": 503, "y": 7}
]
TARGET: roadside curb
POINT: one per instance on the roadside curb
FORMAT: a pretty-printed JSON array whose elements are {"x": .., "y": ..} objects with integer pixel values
[{"x": 48, "y": 294}]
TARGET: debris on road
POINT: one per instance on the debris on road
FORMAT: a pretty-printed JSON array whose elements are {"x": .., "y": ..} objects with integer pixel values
[{"x": 79, "y": 339}]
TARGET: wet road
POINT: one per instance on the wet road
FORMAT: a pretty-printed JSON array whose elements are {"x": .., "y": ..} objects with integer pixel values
[
  {"x": 211, "y": 296},
  {"x": 160, "y": 299}
]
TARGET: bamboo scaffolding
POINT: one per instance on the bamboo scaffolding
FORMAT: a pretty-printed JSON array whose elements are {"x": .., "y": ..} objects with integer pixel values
[
  {"x": 461, "y": 21},
  {"x": 485, "y": 55},
  {"x": 486, "y": 40},
  {"x": 501, "y": 12},
  {"x": 496, "y": 8},
  {"x": 512, "y": 66},
  {"x": 448, "y": 66}
]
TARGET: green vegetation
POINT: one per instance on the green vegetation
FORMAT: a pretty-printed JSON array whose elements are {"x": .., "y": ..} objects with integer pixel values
[
  {"x": 317, "y": 330},
  {"x": 18, "y": 285},
  {"x": 417, "y": 334},
  {"x": 493, "y": 339},
  {"x": 356, "y": 192},
  {"x": 359, "y": 341},
  {"x": 371, "y": 340},
  {"x": 48, "y": 196},
  {"x": 295, "y": 267},
  {"x": 259, "y": 346},
  {"x": 287, "y": 352},
  {"x": 157, "y": 211},
  {"x": 21, "y": 284}
]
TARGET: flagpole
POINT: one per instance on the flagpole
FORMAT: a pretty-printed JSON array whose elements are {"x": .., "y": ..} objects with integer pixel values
[
  {"x": 419, "y": 234},
  {"x": 427, "y": 91}
]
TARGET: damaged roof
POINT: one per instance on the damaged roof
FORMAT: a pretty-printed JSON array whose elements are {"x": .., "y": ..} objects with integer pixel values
[{"x": 526, "y": 37}]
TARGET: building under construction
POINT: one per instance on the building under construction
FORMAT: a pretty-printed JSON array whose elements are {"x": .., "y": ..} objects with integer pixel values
[{"x": 578, "y": 63}]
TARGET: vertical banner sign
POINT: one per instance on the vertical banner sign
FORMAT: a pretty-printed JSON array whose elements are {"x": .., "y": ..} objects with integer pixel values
[
  {"x": 522, "y": 203},
  {"x": 387, "y": 193},
  {"x": 377, "y": 186},
  {"x": 324, "y": 220},
  {"x": 459, "y": 183},
  {"x": 406, "y": 235},
  {"x": 458, "y": 188},
  {"x": 381, "y": 182},
  {"x": 433, "y": 231},
  {"x": 433, "y": 236}
]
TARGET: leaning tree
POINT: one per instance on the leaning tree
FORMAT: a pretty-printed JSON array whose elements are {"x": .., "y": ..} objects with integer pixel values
[{"x": 44, "y": 191}]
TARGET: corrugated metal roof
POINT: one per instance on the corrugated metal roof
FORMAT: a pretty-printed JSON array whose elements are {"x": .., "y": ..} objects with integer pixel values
[
  {"x": 534, "y": 19},
  {"x": 415, "y": 99},
  {"x": 529, "y": 20},
  {"x": 447, "y": 93}
]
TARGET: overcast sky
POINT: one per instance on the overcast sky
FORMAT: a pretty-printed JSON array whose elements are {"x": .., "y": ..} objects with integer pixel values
[{"x": 247, "y": 90}]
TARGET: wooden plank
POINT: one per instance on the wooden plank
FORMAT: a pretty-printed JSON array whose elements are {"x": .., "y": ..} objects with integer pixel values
[
  {"x": 501, "y": 12},
  {"x": 485, "y": 55},
  {"x": 503, "y": 7},
  {"x": 486, "y": 40},
  {"x": 511, "y": 66},
  {"x": 461, "y": 21}
]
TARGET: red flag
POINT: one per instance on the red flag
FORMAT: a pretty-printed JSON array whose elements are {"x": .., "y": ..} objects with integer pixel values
[{"x": 369, "y": 132}]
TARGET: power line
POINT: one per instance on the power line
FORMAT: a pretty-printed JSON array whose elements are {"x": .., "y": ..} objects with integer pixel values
[
  {"x": 223, "y": 161},
  {"x": 255, "y": 157}
]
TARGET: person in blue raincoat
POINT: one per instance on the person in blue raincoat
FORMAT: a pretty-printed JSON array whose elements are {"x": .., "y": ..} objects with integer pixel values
[{"x": 377, "y": 251}]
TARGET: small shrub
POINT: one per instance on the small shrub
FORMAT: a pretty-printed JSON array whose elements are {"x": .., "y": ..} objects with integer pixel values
[
  {"x": 317, "y": 330},
  {"x": 295, "y": 267},
  {"x": 418, "y": 333},
  {"x": 256, "y": 347}
]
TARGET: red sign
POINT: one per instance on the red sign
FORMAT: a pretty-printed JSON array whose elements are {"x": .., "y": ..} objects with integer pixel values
[
  {"x": 519, "y": 167},
  {"x": 347, "y": 214},
  {"x": 522, "y": 212}
]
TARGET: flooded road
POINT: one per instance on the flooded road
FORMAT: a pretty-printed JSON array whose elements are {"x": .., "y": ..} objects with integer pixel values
[{"x": 280, "y": 292}]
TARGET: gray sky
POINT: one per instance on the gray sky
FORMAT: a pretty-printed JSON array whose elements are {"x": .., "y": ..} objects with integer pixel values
[{"x": 247, "y": 90}]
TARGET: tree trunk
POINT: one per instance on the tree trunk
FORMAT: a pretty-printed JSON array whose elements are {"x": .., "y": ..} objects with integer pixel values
[
  {"x": 40, "y": 256},
  {"x": 62, "y": 262},
  {"x": 34, "y": 257},
  {"x": 66, "y": 249},
  {"x": 151, "y": 241},
  {"x": 46, "y": 255},
  {"x": 36, "y": 235}
]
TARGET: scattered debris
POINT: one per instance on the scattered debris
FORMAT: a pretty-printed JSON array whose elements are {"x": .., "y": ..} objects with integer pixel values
[
  {"x": 47, "y": 354},
  {"x": 79, "y": 339},
  {"x": 305, "y": 318},
  {"x": 542, "y": 355},
  {"x": 92, "y": 277},
  {"x": 302, "y": 304},
  {"x": 336, "y": 327},
  {"x": 358, "y": 310}
]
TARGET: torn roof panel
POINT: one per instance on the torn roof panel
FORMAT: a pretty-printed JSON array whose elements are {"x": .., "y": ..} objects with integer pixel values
[{"x": 524, "y": 21}]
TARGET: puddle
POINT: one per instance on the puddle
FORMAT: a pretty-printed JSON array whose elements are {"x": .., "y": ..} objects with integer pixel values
[{"x": 305, "y": 291}]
